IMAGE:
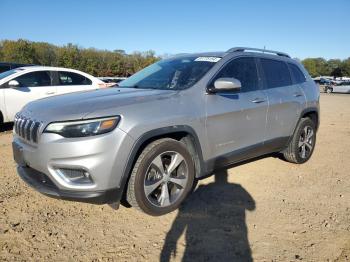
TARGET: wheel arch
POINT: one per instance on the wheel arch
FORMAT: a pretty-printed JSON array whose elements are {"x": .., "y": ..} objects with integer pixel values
[
  {"x": 311, "y": 113},
  {"x": 185, "y": 134}
]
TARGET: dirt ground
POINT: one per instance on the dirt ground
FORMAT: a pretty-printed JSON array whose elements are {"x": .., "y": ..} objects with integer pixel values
[{"x": 267, "y": 210}]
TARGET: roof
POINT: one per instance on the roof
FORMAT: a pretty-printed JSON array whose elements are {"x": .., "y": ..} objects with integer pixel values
[
  {"x": 52, "y": 68},
  {"x": 240, "y": 50},
  {"x": 259, "y": 50},
  {"x": 36, "y": 67}
]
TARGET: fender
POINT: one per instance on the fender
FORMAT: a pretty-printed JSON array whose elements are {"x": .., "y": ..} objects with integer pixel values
[
  {"x": 311, "y": 110},
  {"x": 155, "y": 133}
]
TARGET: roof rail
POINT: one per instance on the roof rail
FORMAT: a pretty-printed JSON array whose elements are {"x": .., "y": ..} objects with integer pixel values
[{"x": 242, "y": 49}]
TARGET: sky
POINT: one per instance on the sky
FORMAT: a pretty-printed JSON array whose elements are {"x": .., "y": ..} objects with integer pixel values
[{"x": 302, "y": 28}]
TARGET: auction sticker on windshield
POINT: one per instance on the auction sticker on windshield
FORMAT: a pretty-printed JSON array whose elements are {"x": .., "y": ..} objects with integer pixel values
[{"x": 212, "y": 59}]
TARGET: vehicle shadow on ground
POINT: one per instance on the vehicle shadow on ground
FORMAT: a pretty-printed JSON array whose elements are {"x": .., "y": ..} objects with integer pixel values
[
  {"x": 6, "y": 127},
  {"x": 213, "y": 221}
]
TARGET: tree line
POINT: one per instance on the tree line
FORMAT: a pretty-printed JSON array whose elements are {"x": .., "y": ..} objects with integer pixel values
[
  {"x": 90, "y": 60},
  {"x": 118, "y": 63},
  {"x": 323, "y": 67}
]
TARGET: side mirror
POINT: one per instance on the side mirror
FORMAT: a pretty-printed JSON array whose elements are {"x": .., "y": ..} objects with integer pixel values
[
  {"x": 227, "y": 84},
  {"x": 13, "y": 84}
]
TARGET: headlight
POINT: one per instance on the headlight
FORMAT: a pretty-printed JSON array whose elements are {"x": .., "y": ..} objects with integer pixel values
[{"x": 83, "y": 128}]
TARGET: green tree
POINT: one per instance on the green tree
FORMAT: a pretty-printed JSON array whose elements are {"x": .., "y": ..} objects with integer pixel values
[
  {"x": 315, "y": 66},
  {"x": 345, "y": 67},
  {"x": 20, "y": 51},
  {"x": 45, "y": 53},
  {"x": 69, "y": 56},
  {"x": 90, "y": 60},
  {"x": 333, "y": 67}
]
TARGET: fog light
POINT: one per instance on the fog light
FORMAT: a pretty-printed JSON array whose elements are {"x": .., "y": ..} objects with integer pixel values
[{"x": 74, "y": 176}]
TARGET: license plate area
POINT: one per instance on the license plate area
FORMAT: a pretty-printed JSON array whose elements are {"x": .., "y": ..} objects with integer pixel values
[{"x": 18, "y": 154}]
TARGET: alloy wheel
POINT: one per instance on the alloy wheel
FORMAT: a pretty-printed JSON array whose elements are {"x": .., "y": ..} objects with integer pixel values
[
  {"x": 306, "y": 142},
  {"x": 166, "y": 179}
]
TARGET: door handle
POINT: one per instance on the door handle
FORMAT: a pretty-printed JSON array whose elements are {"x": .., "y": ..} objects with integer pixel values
[
  {"x": 297, "y": 94},
  {"x": 50, "y": 92},
  {"x": 258, "y": 100}
]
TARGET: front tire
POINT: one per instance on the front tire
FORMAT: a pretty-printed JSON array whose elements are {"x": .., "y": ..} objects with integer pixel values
[
  {"x": 303, "y": 142},
  {"x": 162, "y": 177},
  {"x": 329, "y": 90}
]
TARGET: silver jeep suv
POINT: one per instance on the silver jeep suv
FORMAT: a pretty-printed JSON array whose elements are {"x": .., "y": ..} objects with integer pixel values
[{"x": 147, "y": 142}]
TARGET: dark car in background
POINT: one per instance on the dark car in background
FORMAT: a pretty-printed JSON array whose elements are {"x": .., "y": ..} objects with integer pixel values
[
  {"x": 8, "y": 66},
  {"x": 323, "y": 81}
]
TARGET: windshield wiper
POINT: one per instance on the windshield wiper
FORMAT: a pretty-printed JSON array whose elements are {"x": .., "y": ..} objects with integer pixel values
[
  {"x": 134, "y": 86},
  {"x": 144, "y": 87}
]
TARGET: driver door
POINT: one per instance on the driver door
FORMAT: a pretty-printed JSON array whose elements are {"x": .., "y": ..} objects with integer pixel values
[
  {"x": 236, "y": 121},
  {"x": 32, "y": 86}
]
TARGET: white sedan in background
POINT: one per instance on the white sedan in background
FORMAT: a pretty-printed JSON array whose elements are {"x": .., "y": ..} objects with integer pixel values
[
  {"x": 25, "y": 84},
  {"x": 343, "y": 87}
]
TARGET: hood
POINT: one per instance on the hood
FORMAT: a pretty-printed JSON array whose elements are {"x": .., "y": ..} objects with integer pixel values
[{"x": 75, "y": 106}]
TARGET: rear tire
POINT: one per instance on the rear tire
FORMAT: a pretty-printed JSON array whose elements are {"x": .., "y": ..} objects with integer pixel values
[
  {"x": 303, "y": 142},
  {"x": 162, "y": 177}
]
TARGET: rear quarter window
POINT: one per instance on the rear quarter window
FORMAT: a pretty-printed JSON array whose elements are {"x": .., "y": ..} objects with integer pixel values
[
  {"x": 276, "y": 73},
  {"x": 70, "y": 78},
  {"x": 297, "y": 75}
]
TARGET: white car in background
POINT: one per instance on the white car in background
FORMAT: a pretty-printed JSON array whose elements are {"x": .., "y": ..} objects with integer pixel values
[
  {"x": 343, "y": 87},
  {"x": 25, "y": 84}
]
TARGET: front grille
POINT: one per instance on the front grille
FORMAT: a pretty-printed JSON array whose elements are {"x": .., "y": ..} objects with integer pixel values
[{"x": 27, "y": 128}]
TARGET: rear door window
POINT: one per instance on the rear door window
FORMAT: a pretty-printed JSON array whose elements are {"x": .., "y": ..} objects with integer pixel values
[
  {"x": 33, "y": 79},
  {"x": 70, "y": 79},
  {"x": 297, "y": 75},
  {"x": 276, "y": 73},
  {"x": 244, "y": 69}
]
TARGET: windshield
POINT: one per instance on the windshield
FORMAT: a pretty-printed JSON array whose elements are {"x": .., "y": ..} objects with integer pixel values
[
  {"x": 171, "y": 74},
  {"x": 7, "y": 73}
]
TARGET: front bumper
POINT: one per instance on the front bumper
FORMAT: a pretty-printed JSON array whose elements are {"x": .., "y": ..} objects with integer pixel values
[
  {"x": 103, "y": 157},
  {"x": 44, "y": 185}
]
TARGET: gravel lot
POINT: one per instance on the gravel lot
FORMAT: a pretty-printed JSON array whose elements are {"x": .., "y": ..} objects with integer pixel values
[{"x": 267, "y": 210}]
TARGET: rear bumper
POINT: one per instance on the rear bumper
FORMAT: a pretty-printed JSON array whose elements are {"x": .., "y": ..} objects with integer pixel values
[{"x": 44, "y": 185}]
